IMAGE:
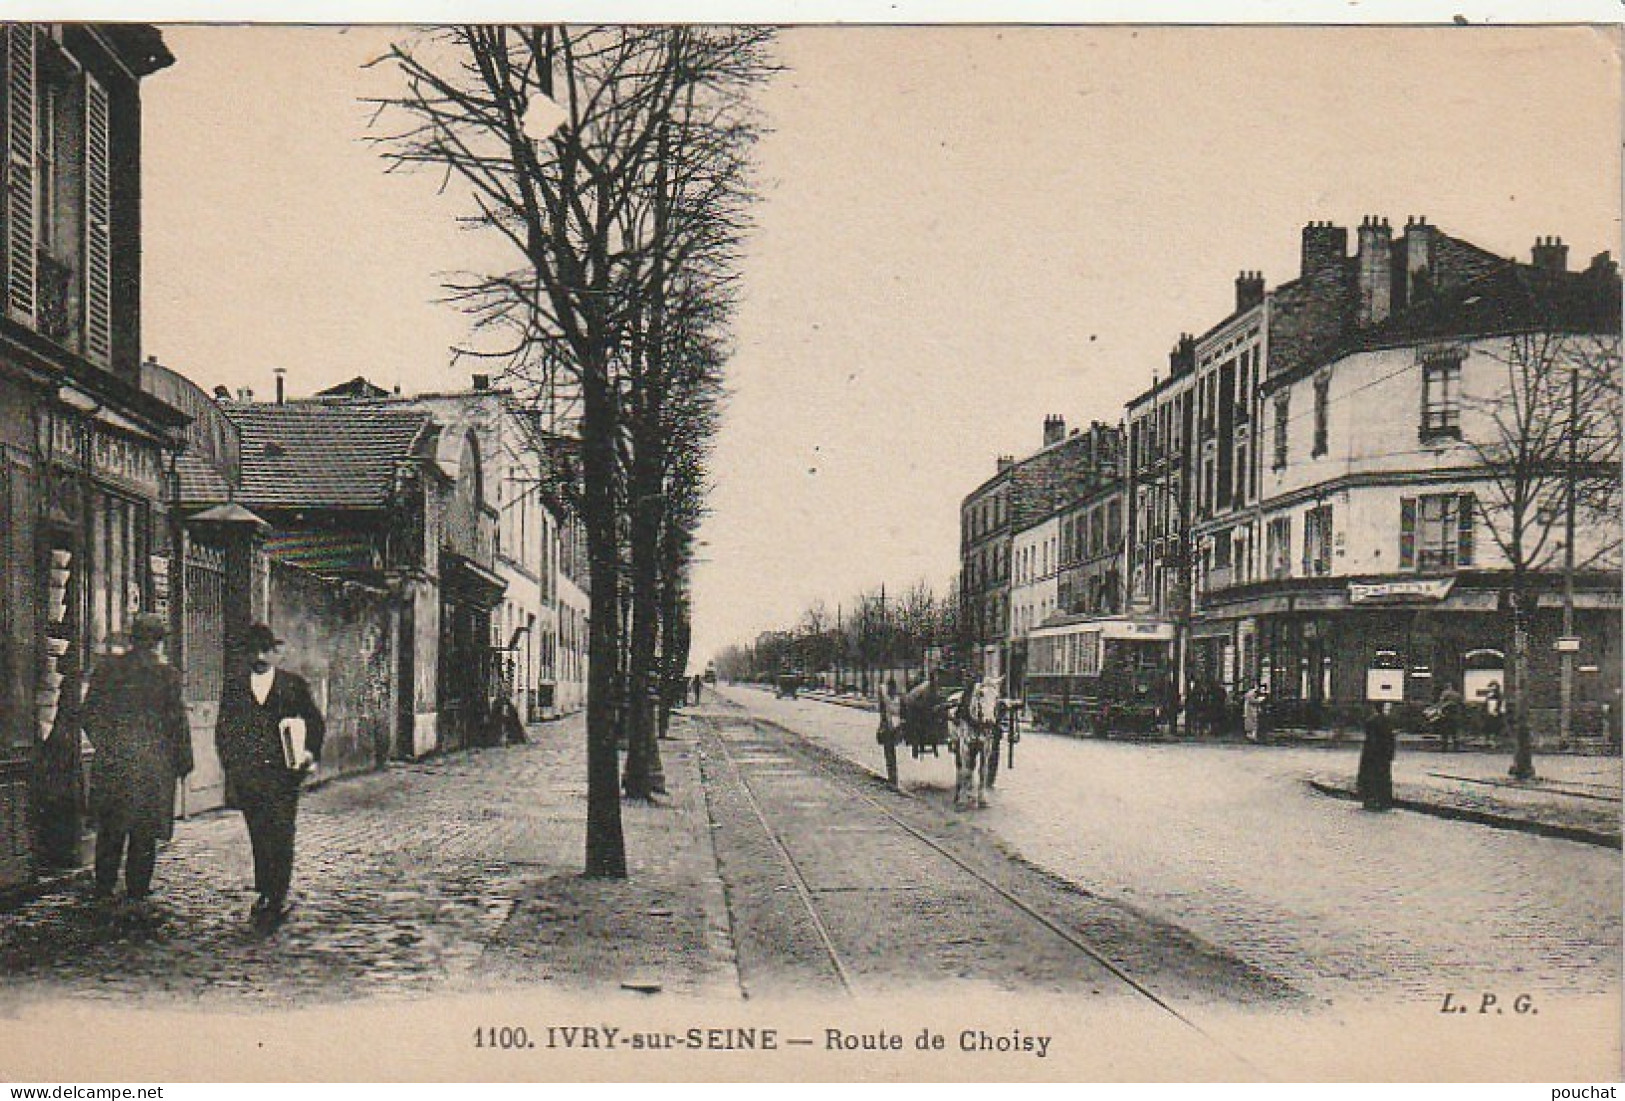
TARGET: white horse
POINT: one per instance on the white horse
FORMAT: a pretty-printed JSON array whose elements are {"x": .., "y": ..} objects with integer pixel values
[{"x": 975, "y": 730}]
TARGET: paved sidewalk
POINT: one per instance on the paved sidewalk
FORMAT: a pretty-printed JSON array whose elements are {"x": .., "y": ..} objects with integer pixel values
[
  {"x": 1573, "y": 797},
  {"x": 459, "y": 873}
]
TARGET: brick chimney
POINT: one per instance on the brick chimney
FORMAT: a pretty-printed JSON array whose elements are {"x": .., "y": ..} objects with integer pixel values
[
  {"x": 482, "y": 382},
  {"x": 1324, "y": 246},
  {"x": 1182, "y": 359},
  {"x": 1054, "y": 429},
  {"x": 1415, "y": 263},
  {"x": 1006, "y": 462},
  {"x": 1376, "y": 277},
  {"x": 281, "y": 384},
  {"x": 1551, "y": 254},
  {"x": 1249, "y": 290}
]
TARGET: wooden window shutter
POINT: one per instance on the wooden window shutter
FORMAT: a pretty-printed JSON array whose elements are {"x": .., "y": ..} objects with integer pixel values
[
  {"x": 1464, "y": 529},
  {"x": 1407, "y": 533},
  {"x": 20, "y": 123},
  {"x": 98, "y": 226}
]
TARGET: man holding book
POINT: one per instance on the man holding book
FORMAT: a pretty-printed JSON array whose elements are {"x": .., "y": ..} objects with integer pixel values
[{"x": 269, "y": 736}]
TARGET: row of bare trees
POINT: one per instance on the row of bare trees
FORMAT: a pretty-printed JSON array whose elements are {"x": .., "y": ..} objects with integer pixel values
[
  {"x": 858, "y": 643},
  {"x": 613, "y": 165}
]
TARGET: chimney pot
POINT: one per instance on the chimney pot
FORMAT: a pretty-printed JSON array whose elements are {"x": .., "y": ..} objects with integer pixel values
[
  {"x": 482, "y": 382},
  {"x": 1324, "y": 246},
  {"x": 1375, "y": 264},
  {"x": 1550, "y": 254}
]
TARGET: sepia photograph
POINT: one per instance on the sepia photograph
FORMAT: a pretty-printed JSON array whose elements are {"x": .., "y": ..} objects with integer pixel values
[{"x": 748, "y": 551}]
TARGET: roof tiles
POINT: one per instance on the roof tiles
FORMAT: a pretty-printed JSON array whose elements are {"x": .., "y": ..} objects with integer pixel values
[{"x": 318, "y": 455}]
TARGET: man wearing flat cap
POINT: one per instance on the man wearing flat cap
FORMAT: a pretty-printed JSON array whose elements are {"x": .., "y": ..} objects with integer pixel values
[
  {"x": 135, "y": 717},
  {"x": 270, "y": 739}
]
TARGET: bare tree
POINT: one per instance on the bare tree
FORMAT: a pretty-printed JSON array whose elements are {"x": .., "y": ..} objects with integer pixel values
[
  {"x": 563, "y": 137},
  {"x": 1551, "y": 436}
]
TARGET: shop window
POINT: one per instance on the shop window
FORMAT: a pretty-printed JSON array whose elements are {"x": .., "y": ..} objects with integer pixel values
[{"x": 119, "y": 550}]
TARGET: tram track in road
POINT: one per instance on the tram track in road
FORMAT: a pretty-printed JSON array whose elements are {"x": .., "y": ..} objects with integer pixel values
[{"x": 1015, "y": 940}]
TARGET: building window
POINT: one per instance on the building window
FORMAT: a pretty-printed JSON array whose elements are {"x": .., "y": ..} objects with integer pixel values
[
  {"x": 1278, "y": 543},
  {"x": 1241, "y": 473},
  {"x": 1436, "y": 531},
  {"x": 1317, "y": 541},
  {"x": 1244, "y": 388},
  {"x": 1323, "y": 389},
  {"x": 1441, "y": 396},
  {"x": 1282, "y": 407}
]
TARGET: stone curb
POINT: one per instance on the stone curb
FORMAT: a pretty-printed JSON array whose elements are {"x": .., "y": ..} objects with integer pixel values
[
  {"x": 714, "y": 895},
  {"x": 1482, "y": 818}
]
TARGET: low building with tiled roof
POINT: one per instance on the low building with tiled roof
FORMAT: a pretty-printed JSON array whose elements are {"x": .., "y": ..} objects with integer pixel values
[
  {"x": 307, "y": 456},
  {"x": 539, "y": 631}
]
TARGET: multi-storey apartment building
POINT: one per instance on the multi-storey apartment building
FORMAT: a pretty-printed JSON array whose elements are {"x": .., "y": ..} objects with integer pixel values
[
  {"x": 1021, "y": 494},
  {"x": 85, "y": 452},
  {"x": 1156, "y": 489},
  {"x": 1389, "y": 499},
  {"x": 1091, "y": 565},
  {"x": 1196, "y": 443}
]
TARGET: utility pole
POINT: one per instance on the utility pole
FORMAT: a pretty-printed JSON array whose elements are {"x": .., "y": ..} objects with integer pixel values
[{"x": 1565, "y": 715}]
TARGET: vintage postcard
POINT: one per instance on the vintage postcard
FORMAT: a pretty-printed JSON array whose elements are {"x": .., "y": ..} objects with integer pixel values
[{"x": 719, "y": 551}]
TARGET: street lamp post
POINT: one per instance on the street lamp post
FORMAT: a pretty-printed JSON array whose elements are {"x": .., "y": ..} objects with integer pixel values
[{"x": 1565, "y": 717}]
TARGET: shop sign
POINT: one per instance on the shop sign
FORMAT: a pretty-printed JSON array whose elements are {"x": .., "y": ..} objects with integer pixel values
[
  {"x": 1435, "y": 588},
  {"x": 113, "y": 456},
  {"x": 1309, "y": 601},
  {"x": 1567, "y": 645}
]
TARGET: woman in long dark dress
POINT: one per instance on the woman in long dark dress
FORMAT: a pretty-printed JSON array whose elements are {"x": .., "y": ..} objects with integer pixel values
[{"x": 1375, "y": 783}]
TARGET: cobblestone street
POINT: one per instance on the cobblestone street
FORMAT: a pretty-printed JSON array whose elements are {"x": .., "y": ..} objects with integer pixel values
[{"x": 460, "y": 873}]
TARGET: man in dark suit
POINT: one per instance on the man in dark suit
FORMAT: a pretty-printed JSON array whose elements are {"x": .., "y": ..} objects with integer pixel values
[
  {"x": 135, "y": 716},
  {"x": 258, "y": 706}
]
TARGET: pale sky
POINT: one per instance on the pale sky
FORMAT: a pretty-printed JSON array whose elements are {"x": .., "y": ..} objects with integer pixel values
[{"x": 961, "y": 231}]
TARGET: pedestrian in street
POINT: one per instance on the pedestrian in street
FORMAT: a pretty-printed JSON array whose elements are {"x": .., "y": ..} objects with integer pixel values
[
  {"x": 258, "y": 704},
  {"x": 1446, "y": 718},
  {"x": 1375, "y": 781},
  {"x": 1493, "y": 724},
  {"x": 699, "y": 686},
  {"x": 1197, "y": 708},
  {"x": 135, "y": 717},
  {"x": 1252, "y": 709},
  {"x": 1219, "y": 710},
  {"x": 888, "y": 705}
]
